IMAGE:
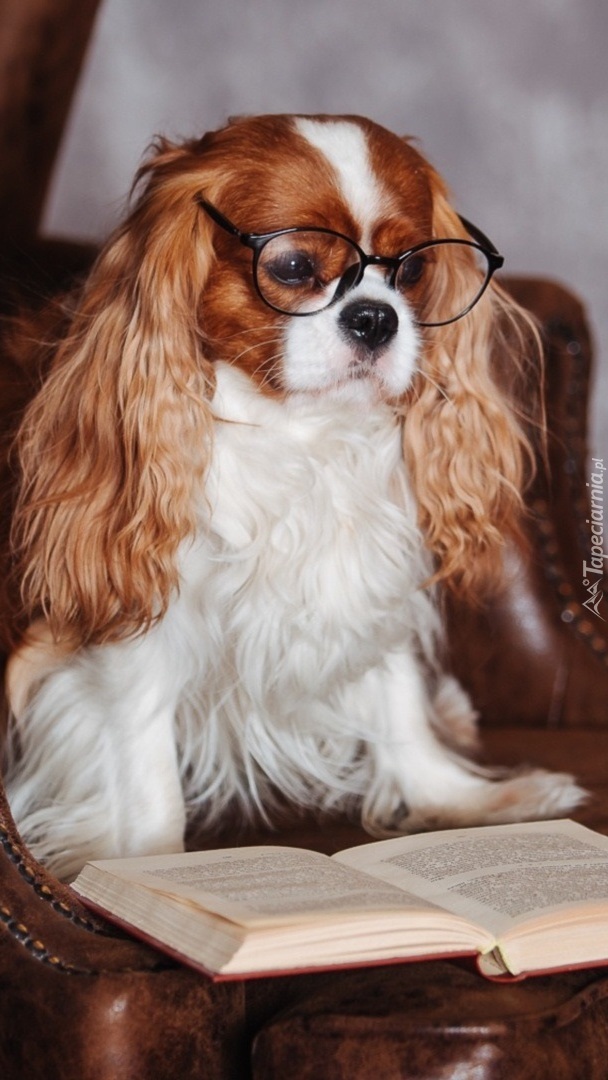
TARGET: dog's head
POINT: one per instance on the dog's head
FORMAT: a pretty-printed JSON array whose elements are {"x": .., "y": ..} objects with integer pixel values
[
  {"x": 322, "y": 257},
  {"x": 313, "y": 219},
  {"x": 326, "y": 248}
]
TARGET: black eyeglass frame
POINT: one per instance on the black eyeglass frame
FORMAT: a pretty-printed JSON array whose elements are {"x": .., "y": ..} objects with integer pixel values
[{"x": 257, "y": 242}]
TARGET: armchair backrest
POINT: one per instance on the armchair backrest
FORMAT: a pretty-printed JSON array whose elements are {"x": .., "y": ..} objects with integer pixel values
[{"x": 42, "y": 47}]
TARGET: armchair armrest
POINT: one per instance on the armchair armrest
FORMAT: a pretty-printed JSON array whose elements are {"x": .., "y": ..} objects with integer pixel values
[{"x": 535, "y": 655}]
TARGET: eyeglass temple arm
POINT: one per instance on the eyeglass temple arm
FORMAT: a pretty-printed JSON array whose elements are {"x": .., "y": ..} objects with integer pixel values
[
  {"x": 220, "y": 220},
  {"x": 478, "y": 235}
]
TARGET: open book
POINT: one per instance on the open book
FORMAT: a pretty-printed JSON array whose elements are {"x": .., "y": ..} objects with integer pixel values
[{"x": 521, "y": 898}]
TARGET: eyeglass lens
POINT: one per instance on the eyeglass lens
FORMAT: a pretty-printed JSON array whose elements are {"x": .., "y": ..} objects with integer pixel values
[{"x": 301, "y": 273}]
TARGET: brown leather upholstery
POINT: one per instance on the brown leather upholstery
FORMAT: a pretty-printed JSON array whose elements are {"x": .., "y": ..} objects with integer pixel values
[
  {"x": 439, "y": 1021},
  {"x": 42, "y": 46},
  {"x": 537, "y": 657}
]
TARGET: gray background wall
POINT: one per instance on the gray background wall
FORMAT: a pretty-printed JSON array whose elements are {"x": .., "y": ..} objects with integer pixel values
[{"x": 509, "y": 99}]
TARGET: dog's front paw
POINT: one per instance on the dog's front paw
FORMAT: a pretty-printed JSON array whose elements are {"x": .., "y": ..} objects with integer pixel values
[{"x": 63, "y": 840}]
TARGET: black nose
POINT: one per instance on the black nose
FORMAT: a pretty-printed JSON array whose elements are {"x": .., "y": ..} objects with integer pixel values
[{"x": 369, "y": 323}]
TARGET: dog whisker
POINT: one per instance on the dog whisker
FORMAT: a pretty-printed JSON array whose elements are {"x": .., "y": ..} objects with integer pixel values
[{"x": 433, "y": 382}]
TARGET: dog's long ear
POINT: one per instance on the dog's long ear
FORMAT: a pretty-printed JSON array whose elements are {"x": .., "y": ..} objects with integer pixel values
[
  {"x": 118, "y": 438},
  {"x": 464, "y": 439}
]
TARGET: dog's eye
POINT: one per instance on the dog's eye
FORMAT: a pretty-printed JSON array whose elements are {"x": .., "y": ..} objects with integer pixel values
[
  {"x": 299, "y": 272},
  {"x": 291, "y": 268},
  {"x": 411, "y": 271}
]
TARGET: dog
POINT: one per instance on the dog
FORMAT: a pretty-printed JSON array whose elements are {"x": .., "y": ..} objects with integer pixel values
[{"x": 273, "y": 431}]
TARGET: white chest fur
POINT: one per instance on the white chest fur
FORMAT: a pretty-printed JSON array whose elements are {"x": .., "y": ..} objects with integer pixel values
[
  {"x": 304, "y": 579},
  {"x": 311, "y": 564}
]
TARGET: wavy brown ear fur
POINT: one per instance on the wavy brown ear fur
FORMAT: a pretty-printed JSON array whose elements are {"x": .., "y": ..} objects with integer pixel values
[
  {"x": 465, "y": 443},
  {"x": 118, "y": 436}
]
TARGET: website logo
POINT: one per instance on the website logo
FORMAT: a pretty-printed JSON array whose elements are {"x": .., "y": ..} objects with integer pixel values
[{"x": 593, "y": 571}]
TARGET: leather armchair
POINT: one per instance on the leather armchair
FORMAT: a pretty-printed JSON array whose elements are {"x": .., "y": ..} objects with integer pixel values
[{"x": 81, "y": 1001}]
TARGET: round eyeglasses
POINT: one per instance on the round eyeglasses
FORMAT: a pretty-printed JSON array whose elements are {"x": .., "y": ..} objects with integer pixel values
[{"x": 300, "y": 271}]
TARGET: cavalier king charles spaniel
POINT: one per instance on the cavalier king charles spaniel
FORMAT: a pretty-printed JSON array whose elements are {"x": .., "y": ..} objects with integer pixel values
[{"x": 274, "y": 426}]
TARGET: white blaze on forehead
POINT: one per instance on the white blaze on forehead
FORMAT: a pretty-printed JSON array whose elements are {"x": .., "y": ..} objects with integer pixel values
[{"x": 345, "y": 146}]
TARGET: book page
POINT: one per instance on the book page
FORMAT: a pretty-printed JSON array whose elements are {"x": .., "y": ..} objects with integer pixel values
[
  {"x": 260, "y": 885},
  {"x": 495, "y": 875}
]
